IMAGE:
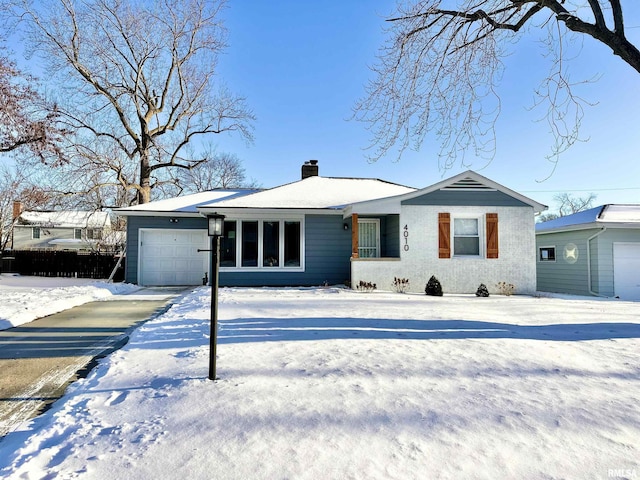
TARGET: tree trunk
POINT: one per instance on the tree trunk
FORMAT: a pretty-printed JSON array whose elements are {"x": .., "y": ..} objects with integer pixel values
[{"x": 144, "y": 192}]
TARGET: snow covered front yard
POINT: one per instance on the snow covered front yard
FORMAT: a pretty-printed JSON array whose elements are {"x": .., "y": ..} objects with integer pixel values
[
  {"x": 25, "y": 299},
  {"x": 334, "y": 384}
]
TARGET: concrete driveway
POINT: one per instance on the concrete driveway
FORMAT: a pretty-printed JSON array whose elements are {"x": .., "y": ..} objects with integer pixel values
[{"x": 38, "y": 360}]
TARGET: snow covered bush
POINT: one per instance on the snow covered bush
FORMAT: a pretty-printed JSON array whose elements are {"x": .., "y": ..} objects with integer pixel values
[
  {"x": 506, "y": 288},
  {"x": 482, "y": 291},
  {"x": 433, "y": 287}
]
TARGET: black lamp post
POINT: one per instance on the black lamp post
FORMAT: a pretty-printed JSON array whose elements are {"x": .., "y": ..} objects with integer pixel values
[{"x": 216, "y": 223}]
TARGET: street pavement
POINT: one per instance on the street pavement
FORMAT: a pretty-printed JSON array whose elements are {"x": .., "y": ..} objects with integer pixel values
[{"x": 38, "y": 360}]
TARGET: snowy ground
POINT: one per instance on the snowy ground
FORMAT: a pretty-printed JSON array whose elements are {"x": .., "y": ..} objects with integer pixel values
[
  {"x": 24, "y": 299},
  {"x": 335, "y": 384}
]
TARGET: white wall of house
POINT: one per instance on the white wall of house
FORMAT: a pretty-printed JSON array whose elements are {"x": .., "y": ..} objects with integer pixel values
[{"x": 516, "y": 263}]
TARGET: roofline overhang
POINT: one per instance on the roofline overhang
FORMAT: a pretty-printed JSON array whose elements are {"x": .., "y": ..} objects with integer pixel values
[
  {"x": 589, "y": 226},
  {"x": 246, "y": 211},
  {"x": 538, "y": 207},
  {"x": 155, "y": 213}
]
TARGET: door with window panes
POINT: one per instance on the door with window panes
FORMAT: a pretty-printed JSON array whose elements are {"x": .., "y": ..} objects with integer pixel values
[{"x": 368, "y": 238}]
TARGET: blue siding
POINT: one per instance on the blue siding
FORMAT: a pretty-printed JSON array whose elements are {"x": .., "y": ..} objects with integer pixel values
[
  {"x": 391, "y": 236},
  {"x": 327, "y": 258},
  {"x": 473, "y": 198},
  {"x": 327, "y": 253}
]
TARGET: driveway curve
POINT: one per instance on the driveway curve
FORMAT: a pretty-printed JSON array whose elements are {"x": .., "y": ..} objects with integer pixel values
[{"x": 38, "y": 360}]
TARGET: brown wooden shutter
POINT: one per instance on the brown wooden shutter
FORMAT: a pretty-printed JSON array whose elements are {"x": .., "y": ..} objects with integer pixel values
[
  {"x": 492, "y": 235},
  {"x": 444, "y": 235}
]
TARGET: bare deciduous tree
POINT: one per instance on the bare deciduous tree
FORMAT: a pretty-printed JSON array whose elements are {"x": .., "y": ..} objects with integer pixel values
[
  {"x": 568, "y": 205},
  {"x": 138, "y": 75},
  {"x": 15, "y": 185},
  {"x": 223, "y": 170},
  {"x": 27, "y": 122},
  {"x": 441, "y": 66}
]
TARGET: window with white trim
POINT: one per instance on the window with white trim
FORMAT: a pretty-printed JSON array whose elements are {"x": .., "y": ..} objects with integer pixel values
[
  {"x": 261, "y": 244},
  {"x": 368, "y": 237},
  {"x": 35, "y": 233},
  {"x": 94, "y": 233},
  {"x": 547, "y": 254},
  {"x": 77, "y": 233},
  {"x": 466, "y": 237}
]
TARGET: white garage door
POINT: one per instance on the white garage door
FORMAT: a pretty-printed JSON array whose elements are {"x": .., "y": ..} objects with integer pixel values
[
  {"x": 626, "y": 270},
  {"x": 171, "y": 257}
]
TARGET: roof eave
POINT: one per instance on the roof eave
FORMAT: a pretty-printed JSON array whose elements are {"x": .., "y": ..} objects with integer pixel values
[
  {"x": 246, "y": 211},
  {"x": 538, "y": 207}
]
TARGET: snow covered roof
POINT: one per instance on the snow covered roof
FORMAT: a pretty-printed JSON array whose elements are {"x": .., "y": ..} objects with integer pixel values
[
  {"x": 313, "y": 193},
  {"x": 610, "y": 215},
  {"x": 186, "y": 204},
  {"x": 65, "y": 219}
]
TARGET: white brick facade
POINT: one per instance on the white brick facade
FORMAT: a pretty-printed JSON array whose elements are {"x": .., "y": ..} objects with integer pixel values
[{"x": 516, "y": 263}]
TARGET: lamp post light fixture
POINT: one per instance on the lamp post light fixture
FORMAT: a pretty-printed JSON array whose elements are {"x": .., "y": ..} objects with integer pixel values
[{"x": 215, "y": 227}]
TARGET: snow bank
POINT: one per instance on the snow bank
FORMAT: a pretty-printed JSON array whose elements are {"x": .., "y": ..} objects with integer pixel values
[
  {"x": 335, "y": 384},
  {"x": 26, "y": 298}
]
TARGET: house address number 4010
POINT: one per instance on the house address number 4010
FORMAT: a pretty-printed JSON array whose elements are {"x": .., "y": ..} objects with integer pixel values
[{"x": 405, "y": 234}]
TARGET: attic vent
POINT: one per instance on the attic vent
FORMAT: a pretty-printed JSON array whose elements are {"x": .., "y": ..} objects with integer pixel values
[{"x": 468, "y": 183}]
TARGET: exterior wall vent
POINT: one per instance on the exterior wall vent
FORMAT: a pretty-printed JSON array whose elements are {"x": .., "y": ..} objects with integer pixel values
[{"x": 468, "y": 183}]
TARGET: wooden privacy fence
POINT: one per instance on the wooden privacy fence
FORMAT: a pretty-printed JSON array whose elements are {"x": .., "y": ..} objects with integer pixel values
[{"x": 53, "y": 263}]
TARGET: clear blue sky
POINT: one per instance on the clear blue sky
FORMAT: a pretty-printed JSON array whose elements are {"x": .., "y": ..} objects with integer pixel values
[{"x": 303, "y": 65}]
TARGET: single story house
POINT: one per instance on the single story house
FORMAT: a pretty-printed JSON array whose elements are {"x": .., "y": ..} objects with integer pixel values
[
  {"x": 59, "y": 230},
  {"x": 595, "y": 252},
  {"x": 465, "y": 230}
]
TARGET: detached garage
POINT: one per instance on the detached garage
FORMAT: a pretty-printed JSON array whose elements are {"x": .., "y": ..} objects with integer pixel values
[
  {"x": 595, "y": 252},
  {"x": 626, "y": 270}
]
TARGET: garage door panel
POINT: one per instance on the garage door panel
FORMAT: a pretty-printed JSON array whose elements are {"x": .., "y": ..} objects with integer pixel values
[
  {"x": 626, "y": 270},
  {"x": 172, "y": 257}
]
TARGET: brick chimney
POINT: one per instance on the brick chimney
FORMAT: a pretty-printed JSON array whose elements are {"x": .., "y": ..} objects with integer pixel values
[
  {"x": 310, "y": 169},
  {"x": 18, "y": 208}
]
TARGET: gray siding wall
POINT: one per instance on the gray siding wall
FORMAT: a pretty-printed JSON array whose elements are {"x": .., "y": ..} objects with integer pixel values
[
  {"x": 602, "y": 257},
  {"x": 471, "y": 198},
  {"x": 562, "y": 276},
  {"x": 22, "y": 237},
  {"x": 327, "y": 253},
  {"x": 135, "y": 223}
]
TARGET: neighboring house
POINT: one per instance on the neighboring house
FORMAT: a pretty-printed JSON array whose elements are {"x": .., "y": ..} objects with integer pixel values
[
  {"x": 595, "y": 252},
  {"x": 466, "y": 230},
  {"x": 61, "y": 230}
]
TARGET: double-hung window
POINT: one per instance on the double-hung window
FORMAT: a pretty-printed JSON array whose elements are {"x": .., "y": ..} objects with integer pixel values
[
  {"x": 466, "y": 237},
  {"x": 261, "y": 244},
  {"x": 35, "y": 233},
  {"x": 473, "y": 236},
  {"x": 77, "y": 233}
]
